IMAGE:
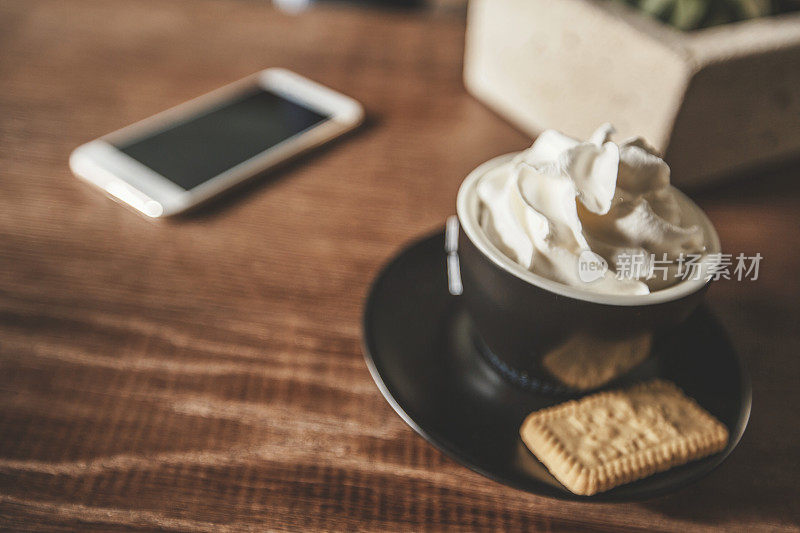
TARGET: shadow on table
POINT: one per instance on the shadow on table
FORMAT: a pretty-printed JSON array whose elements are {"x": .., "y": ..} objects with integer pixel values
[
  {"x": 769, "y": 180},
  {"x": 218, "y": 204}
]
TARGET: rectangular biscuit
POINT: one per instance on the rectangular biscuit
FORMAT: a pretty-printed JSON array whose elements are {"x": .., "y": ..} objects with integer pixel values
[{"x": 615, "y": 437}]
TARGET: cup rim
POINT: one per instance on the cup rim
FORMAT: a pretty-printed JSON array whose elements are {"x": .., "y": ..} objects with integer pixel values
[{"x": 472, "y": 229}]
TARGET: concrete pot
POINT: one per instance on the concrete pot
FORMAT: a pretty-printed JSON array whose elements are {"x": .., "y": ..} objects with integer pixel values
[{"x": 715, "y": 101}]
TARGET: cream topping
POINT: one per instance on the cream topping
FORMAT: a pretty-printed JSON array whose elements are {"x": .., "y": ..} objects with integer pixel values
[{"x": 561, "y": 198}]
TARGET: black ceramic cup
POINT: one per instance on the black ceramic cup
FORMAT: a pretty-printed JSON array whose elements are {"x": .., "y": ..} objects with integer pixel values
[{"x": 554, "y": 337}]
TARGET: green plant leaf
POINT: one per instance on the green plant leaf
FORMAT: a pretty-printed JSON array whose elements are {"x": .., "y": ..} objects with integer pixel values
[
  {"x": 657, "y": 8},
  {"x": 753, "y": 8},
  {"x": 688, "y": 14},
  {"x": 693, "y": 14}
]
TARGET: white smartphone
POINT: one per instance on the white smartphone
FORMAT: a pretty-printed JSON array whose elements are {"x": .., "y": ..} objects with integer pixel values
[{"x": 179, "y": 158}]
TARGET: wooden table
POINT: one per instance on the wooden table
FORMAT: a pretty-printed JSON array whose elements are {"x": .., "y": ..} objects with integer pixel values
[{"x": 206, "y": 373}]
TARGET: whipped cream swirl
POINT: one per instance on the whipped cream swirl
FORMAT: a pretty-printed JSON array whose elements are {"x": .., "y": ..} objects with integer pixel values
[{"x": 562, "y": 197}]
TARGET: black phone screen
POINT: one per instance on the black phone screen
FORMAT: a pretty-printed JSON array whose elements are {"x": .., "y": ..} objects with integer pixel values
[{"x": 197, "y": 148}]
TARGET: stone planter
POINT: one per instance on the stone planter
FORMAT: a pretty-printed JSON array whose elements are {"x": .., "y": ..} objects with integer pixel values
[{"x": 716, "y": 101}]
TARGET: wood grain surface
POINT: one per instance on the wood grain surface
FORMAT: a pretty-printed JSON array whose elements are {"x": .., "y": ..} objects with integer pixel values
[{"x": 206, "y": 373}]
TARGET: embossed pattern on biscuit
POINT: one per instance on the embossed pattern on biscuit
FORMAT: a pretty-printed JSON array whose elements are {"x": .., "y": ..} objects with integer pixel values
[{"x": 611, "y": 438}]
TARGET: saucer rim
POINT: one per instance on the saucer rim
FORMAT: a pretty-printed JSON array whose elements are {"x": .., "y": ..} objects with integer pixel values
[{"x": 543, "y": 489}]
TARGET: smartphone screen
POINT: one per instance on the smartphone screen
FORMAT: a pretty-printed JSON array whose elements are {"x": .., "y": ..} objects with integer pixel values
[{"x": 194, "y": 150}]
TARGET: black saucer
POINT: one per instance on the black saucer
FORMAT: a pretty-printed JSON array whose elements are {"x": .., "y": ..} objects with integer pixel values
[{"x": 419, "y": 346}]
